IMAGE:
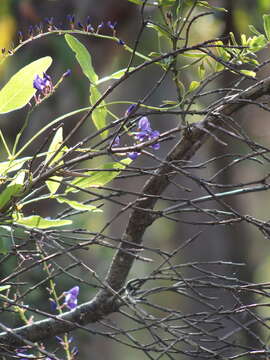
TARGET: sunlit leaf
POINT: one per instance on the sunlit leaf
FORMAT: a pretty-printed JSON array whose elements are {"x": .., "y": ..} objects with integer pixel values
[
  {"x": 223, "y": 54},
  {"x": 5, "y": 239},
  {"x": 100, "y": 113},
  {"x": 160, "y": 30},
  {"x": 4, "y": 287},
  {"x": 19, "y": 90},
  {"x": 138, "y": 2},
  {"x": 248, "y": 73},
  {"x": 193, "y": 85},
  {"x": 77, "y": 205},
  {"x": 208, "y": 6},
  {"x": 141, "y": 2},
  {"x": 83, "y": 57},
  {"x": 12, "y": 189},
  {"x": 55, "y": 145},
  {"x": 166, "y": 2},
  {"x": 257, "y": 43},
  {"x": 36, "y": 221},
  {"x": 12, "y": 165},
  {"x": 201, "y": 71},
  {"x": 116, "y": 75},
  {"x": 194, "y": 55},
  {"x": 266, "y": 25},
  {"x": 106, "y": 173},
  {"x": 254, "y": 30}
]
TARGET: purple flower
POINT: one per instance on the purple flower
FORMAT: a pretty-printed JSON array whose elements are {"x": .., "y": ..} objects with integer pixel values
[
  {"x": 67, "y": 73},
  {"x": 133, "y": 155},
  {"x": 100, "y": 26},
  {"x": 130, "y": 109},
  {"x": 116, "y": 141},
  {"x": 144, "y": 124},
  {"x": 89, "y": 28},
  {"x": 80, "y": 25},
  {"x": 38, "y": 83},
  {"x": 71, "y": 19},
  {"x": 71, "y": 297},
  {"x": 53, "y": 304},
  {"x": 121, "y": 42},
  {"x": 155, "y": 146},
  {"x": 20, "y": 36},
  {"x": 43, "y": 85},
  {"x": 112, "y": 25},
  {"x": 22, "y": 354},
  {"x": 146, "y": 133}
]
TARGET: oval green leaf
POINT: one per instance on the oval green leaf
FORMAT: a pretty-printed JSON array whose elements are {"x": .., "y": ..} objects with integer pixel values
[
  {"x": 55, "y": 145},
  {"x": 36, "y": 221},
  {"x": 19, "y": 90},
  {"x": 106, "y": 173},
  {"x": 13, "y": 189},
  {"x": 99, "y": 115},
  {"x": 77, "y": 205},
  {"x": 83, "y": 57}
]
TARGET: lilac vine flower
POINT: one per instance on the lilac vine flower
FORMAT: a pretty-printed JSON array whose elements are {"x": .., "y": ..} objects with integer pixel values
[
  {"x": 133, "y": 155},
  {"x": 71, "y": 296},
  {"x": 112, "y": 25},
  {"x": 21, "y": 354},
  {"x": 100, "y": 26},
  {"x": 43, "y": 85},
  {"x": 144, "y": 134},
  {"x": 67, "y": 73},
  {"x": 121, "y": 42},
  {"x": 53, "y": 304},
  {"x": 116, "y": 141},
  {"x": 130, "y": 109}
]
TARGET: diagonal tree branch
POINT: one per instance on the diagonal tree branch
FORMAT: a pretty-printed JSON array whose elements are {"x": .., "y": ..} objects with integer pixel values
[{"x": 105, "y": 301}]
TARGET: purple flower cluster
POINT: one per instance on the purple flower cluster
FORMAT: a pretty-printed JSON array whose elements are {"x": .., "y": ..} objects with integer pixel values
[
  {"x": 145, "y": 133},
  {"x": 74, "y": 351},
  {"x": 43, "y": 84},
  {"x": 71, "y": 297},
  {"x": 21, "y": 355}
]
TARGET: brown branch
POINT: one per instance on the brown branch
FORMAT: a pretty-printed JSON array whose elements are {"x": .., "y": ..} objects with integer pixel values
[{"x": 104, "y": 303}]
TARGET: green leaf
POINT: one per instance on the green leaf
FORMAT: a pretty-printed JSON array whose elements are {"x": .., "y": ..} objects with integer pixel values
[
  {"x": 55, "y": 145},
  {"x": 5, "y": 239},
  {"x": 223, "y": 54},
  {"x": 137, "y": 2},
  {"x": 208, "y": 6},
  {"x": 193, "y": 85},
  {"x": 257, "y": 43},
  {"x": 160, "y": 30},
  {"x": 19, "y": 90},
  {"x": 194, "y": 55},
  {"x": 4, "y": 287},
  {"x": 100, "y": 113},
  {"x": 12, "y": 165},
  {"x": 13, "y": 189},
  {"x": 248, "y": 73},
  {"x": 36, "y": 221},
  {"x": 266, "y": 25},
  {"x": 201, "y": 71},
  {"x": 254, "y": 30},
  {"x": 166, "y": 2},
  {"x": 100, "y": 178},
  {"x": 77, "y": 205},
  {"x": 116, "y": 75},
  {"x": 83, "y": 57}
]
